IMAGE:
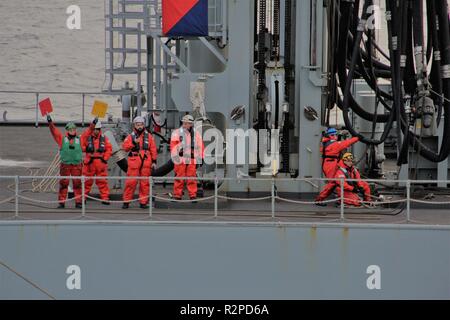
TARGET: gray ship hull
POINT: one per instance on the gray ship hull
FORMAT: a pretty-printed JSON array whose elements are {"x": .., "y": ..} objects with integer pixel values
[{"x": 221, "y": 260}]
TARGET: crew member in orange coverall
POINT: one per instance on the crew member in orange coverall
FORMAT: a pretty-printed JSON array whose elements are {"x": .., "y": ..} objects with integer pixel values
[
  {"x": 187, "y": 151},
  {"x": 98, "y": 151},
  {"x": 352, "y": 189},
  {"x": 141, "y": 161}
]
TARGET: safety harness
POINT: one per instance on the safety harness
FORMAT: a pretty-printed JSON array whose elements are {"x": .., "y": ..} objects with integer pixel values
[
  {"x": 91, "y": 148},
  {"x": 135, "y": 151},
  {"x": 183, "y": 142},
  {"x": 347, "y": 175},
  {"x": 137, "y": 147}
]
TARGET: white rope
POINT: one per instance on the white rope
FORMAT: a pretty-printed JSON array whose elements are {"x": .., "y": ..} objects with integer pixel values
[
  {"x": 117, "y": 201},
  {"x": 306, "y": 202},
  {"x": 181, "y": 201},
  {"x": 48, "y": 184},
  {"x": 243, "y": 199},
  {"x": 384, "y": 202},
  {"x": 6, "y": 200},
  {"x": 429, "y": 202},
  {"x": 45, "y": 201}
]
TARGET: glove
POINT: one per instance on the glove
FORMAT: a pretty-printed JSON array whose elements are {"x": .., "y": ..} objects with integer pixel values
[
  {"x": 49, "y": 118},
  {"x": 136, "y": 146},
  {"x": 95, "y": 120}
]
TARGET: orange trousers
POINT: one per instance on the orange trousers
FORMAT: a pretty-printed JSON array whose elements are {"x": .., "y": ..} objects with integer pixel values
[
  {"x": 66, "y": 170},
  {"x": 185, "y": 170},
  {"x": 135, "y": 170},
  {"x": 99, "y": 169}
]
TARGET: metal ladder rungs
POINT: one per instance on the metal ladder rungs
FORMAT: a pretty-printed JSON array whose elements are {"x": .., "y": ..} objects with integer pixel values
[
  {"x": 124, "y": 30},
  {"x": 134, "y": 2},
  {"x": 124, "y": 50},
  {"x": 126, "y": 15},
  {"x": 120, "y": 92},
  {"x": 126, "y": 70}
]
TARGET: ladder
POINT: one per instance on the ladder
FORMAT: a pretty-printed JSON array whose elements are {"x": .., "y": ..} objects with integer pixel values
[{"x": 127, "y": 23}]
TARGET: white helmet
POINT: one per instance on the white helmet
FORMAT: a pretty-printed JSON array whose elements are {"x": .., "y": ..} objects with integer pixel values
[
  {"x": 98, "y": 125},
  {"x": 139, "y": 119},
  {"x": 188, "y": 118}
]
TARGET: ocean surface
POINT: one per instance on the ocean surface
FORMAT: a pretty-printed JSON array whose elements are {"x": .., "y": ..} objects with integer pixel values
[{"x": 39, "y": 53}]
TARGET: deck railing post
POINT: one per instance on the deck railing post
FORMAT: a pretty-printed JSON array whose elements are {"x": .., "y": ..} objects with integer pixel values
[
  {"x": 82, "y": 110},
  {"x": 16, "y": 188},
  {"x": 37, "y": 110},
  {"x": 215, "y": 198},
  {"x": 273, "y": 197},
  {"x": 150, "y": 197},
  {"x": 408, "y": 200},
  {"x": 342, "y": 198},
  {"x": 83, "y": 198}
]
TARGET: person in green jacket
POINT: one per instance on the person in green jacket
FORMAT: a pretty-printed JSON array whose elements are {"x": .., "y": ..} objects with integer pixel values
[{"x": 71, "y": 155}]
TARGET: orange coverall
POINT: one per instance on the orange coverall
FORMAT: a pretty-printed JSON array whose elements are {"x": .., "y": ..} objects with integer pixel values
[
  {"x": 186, "y": 156},
  {"x": 350, "y": 187},
  {"x": 98, "y": 151},
  {"x": 141, "y": 155}
]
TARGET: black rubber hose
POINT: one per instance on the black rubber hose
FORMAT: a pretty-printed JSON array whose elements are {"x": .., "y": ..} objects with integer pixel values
[
  {"x": 341, "y": 62},
  {"x": 162, "y": 171},
  {"x": 435, "y": 76},
  {"x": 369, "y": 74},
  {"x": 402, "y": 117},
  {"x": 444, "y": 38},
  {"x": 347, "y": 93},
  {"x": 378, "y": 65}
]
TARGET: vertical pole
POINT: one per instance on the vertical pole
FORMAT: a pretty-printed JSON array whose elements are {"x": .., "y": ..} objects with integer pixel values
[
  {"x": 342, "y": 199},
  {"x": 16, "y": 187},
  {"x": 215, "y": 198},
  {"x": 157, "y": 70},
  {"x": 37, "y": 110},
  {"x": 149, "y": 73},
  {"x": 111, "y": 44},
  {"x": 408, "y": 201},
  {"x": 150, "y": 197},
  {"x": 82, "y": 109},
  {"x": 139, "y": 67},
  {"x": 273, "y": 197},
  {"x": 83, "y": 206}
]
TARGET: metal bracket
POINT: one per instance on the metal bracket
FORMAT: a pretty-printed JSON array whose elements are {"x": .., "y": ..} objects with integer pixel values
[
  {"x": 170, "y": 53},
  {"x": 214, "y": 50}
]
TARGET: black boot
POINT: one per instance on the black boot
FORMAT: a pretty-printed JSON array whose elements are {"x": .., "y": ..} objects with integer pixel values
[
  {"x": 125, "y": 205},
  {"x": 61, "y": 206},
  {"x": 194, "y": 199},
  {"x": 78, "y": 206},
  {"x": 144, "y": 206}
]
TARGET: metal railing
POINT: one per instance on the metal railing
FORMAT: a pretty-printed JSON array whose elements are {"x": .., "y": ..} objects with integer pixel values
[
  {"x": 273, "y": 197},
  {"x": 82, "y": 94}
]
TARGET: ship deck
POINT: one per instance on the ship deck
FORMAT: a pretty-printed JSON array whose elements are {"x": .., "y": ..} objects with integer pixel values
[{"x": 26, "y": 151}]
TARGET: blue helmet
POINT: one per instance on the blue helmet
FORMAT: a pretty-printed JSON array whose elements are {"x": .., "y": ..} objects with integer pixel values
[{"x": 331, "y": 131}]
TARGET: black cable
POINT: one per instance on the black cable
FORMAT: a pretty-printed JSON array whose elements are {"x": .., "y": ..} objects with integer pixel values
[
  {"x": 342, "y": 71},
  {"x": 349, "y": 81}
]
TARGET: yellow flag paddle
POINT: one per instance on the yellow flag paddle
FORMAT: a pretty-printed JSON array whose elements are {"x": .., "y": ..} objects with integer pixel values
[{"x": 99, "y": 109}]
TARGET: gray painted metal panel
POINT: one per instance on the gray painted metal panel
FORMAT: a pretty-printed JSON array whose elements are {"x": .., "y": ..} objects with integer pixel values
[{"x": 224, "y": 261}]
